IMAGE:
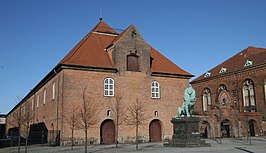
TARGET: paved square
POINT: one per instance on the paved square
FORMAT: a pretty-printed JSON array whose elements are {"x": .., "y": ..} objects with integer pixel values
[{"x": 228, "y": 145}]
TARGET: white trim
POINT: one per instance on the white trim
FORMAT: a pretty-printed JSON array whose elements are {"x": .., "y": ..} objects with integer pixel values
[
  {"x": 53, "y": 91},
  {"x": 155, "y": 90},
  {"x": 207, "y": 74},
  {"x": 109, "y": 87},
  {"x": 44, "y": 96},
  {"x": 248, "y": 63},
  {"x": 38, "y": 100},
  {"x": 108, "y": 34},
  {"x": 223, "y": 69}
]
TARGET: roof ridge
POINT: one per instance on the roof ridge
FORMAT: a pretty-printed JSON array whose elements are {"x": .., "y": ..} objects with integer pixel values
[
  {"x": 104, "y": 25},
  {"x": 120, "y": 36}
]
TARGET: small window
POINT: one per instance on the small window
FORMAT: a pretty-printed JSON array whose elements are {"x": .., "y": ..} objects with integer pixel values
[
  {"x": 44, "y": 96},
  {"x": 155, "y": 89},
  {"x": 207, "y": 74},
  {"x": 53, "y": 91},
  {"x": 32, "y": 104},
  {"x": 108, "y": 87},
  {"x": 248, "y": 63},
  {"x": 156, "y": 113},
  {"x": 132, "y": 63},
  {"x": 108, "y": 113},
  {"x": 223, "y": 70},
  {"x": 38, "y": 100}
]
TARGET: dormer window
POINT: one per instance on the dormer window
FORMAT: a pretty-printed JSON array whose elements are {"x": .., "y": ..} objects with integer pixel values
[
  {"x": 207, "y": 74},
  {"x": 223, "y": 69},
  {"x": 248, "y": 63}
]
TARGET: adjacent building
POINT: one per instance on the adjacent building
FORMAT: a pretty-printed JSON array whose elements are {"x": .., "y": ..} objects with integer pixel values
[
  {"x": 103, "y": 67},
  {"x": 231, "y": 97}
]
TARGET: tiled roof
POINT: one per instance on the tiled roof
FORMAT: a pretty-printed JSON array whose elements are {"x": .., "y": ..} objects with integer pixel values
[
  {"x": 161, "y": 64},
  {"x": 90, "y": 52},
  {"x": 255, "y": 56}
]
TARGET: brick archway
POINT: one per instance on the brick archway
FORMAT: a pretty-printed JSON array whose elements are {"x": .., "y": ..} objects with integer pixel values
[
  {"x": 155, "y": 131},
  {"x": 108, "y": 132}
]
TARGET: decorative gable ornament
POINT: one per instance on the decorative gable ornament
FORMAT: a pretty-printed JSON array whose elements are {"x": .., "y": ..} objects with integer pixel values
[
  {"x": 248, "y": 63},
  {"x": 223, "y": 69},
  {"x": 207, "y": 74}
]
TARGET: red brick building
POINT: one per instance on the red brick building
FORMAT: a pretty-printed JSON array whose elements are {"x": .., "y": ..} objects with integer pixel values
[
  {"x": 231, "y": 97},
  {"x": 103, "y": 65}
]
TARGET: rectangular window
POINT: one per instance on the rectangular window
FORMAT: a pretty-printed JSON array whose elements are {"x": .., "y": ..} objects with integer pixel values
[
  {"x": 32, "y": 104},
  {"x": 53, "y": 94},
  {"x": 155, "y": 89},
  {"x": 44, "y": 96},
  {"x": 109, "y": 87},
  {"x": 38, "y": 100}
]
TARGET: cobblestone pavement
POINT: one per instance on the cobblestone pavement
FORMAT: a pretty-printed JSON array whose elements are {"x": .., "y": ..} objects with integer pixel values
[{"x": 258, "y": 145}]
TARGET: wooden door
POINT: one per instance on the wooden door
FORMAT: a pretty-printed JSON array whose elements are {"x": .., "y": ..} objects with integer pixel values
[
  {"x": 108, "y": 132},
  {"x": 155, "y": 131}
]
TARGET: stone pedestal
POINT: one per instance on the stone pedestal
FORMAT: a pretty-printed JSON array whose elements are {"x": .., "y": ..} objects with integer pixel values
[{"x": 186, "y": 133}]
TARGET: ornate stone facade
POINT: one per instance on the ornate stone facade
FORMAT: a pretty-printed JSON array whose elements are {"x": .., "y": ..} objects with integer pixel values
[{"x": 232, "y": 103}]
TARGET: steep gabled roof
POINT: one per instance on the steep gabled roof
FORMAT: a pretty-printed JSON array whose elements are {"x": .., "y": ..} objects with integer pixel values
[
  {"x": 90, "y": 51},
  {"x": 161, "y": 64},
  {"x": 255, "y": 56}
]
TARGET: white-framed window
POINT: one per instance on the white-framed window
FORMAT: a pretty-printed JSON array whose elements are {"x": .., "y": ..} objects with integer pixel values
[
  {"x": 155, "y": 89},
  {"x": 109, "y": 87},
  {"x": 206, "y": 99},
  {"x": 32, "y": 104},
  {"x": 38, "y": 100},
  {"x": 248, "y": 63},
  {"x": 53, "y": 91},
  {"x": 249, "y": 100},
  {"x": 207, "y": 74},
  {"x": 223, "y": 69},
  {"x": 44, "y": 96}
]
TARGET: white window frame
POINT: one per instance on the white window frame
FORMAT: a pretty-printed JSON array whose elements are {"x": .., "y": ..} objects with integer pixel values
[
  {"x": 44, "y": 97},
  {"x": 109, "y": 87},
  {"x": 53, "y": 91},
  {"x": 32, "y": 104},
  {"x": 155, "y": 90},
  {"x": 38, "y": 100}
]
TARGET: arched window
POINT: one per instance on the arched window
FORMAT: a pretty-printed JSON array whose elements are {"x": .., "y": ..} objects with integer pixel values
[
  {"x": 249, "y": 101},
  {"x": 132, "y": 63},
  {"x": 156, "y": 113},
  {"x": 155, "y": 89},
  {"x": 206, "y": 99},
  {"x": 109, "y": 87}
]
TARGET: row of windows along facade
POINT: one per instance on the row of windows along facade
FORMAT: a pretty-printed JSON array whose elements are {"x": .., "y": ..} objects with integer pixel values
[
  {"x": 248, "y": 93},
  {"x": 109, "y": 87},
  {"x": 109, "y": 90}
]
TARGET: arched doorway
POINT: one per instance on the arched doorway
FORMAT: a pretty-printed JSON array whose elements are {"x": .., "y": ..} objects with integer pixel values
[
  {"x": 205, "y": 130},
  {"x": 225, "y": 128},
  {"x": 108, "y": 132},
  {"x": 251, "y": 124},
  {"x": 155, "y": 131}
]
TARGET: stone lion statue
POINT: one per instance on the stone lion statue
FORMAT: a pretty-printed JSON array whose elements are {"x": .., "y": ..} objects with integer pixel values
[{"x": 187, "y": 107}]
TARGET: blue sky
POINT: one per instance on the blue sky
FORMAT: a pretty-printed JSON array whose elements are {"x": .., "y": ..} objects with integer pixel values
[{"x": 195, "y": 34}]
